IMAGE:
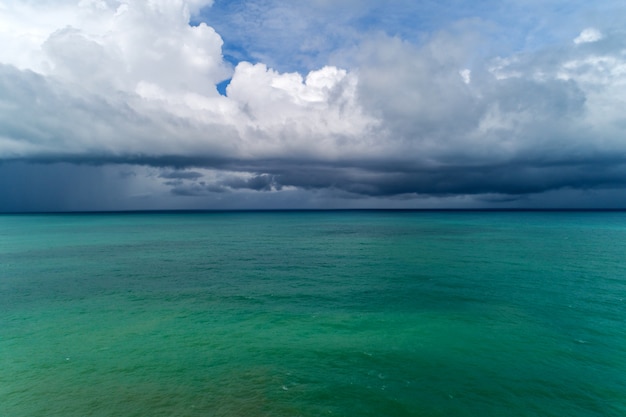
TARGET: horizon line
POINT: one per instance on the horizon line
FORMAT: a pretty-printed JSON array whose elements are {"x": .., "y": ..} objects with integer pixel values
[{"x": 278, "y": 210}]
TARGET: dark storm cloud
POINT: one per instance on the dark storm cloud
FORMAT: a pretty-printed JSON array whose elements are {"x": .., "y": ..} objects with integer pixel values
[
  {"x": 261, "y": 182},
  {"x": 188, "y": 186},
  {"x": 185, "y": 175},
  {"x": 196, "y": 189},
  {"x": 512, "y": 178},
  {"x": 55, "y": 187}
]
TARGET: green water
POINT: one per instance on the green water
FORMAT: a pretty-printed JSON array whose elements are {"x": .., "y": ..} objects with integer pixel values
[{"x": 313, "y": 314}]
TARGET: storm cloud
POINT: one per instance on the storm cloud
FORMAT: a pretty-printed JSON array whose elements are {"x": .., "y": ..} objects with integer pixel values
[{"x": 114, "y": 105}]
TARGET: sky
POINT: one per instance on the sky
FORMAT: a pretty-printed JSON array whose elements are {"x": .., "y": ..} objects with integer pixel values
[{"x": 318, "y": 104}]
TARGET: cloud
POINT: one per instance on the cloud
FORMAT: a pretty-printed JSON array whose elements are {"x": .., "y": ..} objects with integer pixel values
[
  {"x": 187, "y": 175},
  {"x": 63, "y": 186},
  {"x": 439, "y": 113},
  {"x": 588, "y": 35}
]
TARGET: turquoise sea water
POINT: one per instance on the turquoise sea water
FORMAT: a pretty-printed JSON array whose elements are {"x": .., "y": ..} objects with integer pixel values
[{"x": 313, "y": 314}]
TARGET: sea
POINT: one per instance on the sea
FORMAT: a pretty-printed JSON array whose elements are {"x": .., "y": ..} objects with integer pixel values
[{"x": 313, "y": 313}]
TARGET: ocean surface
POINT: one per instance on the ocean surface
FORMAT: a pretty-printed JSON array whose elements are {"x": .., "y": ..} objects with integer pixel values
[{"x": 339, "y": 313}]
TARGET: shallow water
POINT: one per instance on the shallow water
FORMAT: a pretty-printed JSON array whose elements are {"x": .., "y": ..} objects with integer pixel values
[{"x": 313, "y": 313}]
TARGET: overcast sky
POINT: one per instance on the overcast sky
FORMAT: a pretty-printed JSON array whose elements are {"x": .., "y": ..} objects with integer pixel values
[{"x": 174, "y": 104}]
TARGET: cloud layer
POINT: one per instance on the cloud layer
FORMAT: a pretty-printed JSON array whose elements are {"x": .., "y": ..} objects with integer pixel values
[{"x": 116, "y": 88}]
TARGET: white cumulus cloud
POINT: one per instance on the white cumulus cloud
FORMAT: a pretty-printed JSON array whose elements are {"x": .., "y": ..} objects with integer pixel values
[
  {"x": 144, "y": 63},
  {"x": 588, "y": 35}
]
